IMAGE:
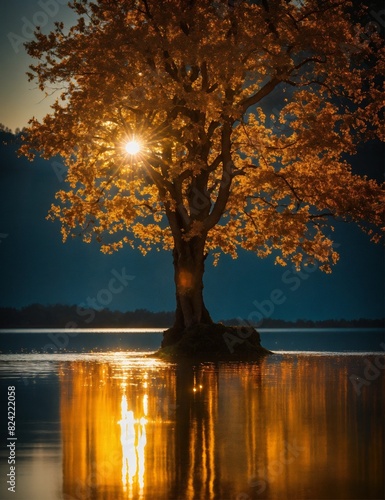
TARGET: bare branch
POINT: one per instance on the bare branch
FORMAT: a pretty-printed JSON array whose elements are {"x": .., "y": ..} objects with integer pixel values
[
  {"x": 258, "y": 96},
  {"x": 299, "y": 200},
  {"x": 224, "y": 188}
]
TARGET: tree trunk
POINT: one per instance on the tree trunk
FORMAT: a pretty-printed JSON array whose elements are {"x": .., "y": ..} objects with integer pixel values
[
  {"x": 188, "y": 276},
  {"x": 194, "y": 335},
  {"x": 189, "y": 258}
]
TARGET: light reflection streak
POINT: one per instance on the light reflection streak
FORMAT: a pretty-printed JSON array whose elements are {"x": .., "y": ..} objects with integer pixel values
[{"x": 133, "y": 439}]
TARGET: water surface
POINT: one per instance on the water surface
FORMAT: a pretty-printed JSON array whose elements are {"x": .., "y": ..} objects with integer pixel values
[
  {"x": 118, "y": 425},
  {"x": 128, "y": 339}
]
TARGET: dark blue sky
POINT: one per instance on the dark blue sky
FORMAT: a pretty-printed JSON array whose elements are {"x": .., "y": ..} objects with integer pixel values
[{"x": 37, "y": 267}]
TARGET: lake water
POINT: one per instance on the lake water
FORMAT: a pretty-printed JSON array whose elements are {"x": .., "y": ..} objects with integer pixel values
[{"x": 114, "y": 424}]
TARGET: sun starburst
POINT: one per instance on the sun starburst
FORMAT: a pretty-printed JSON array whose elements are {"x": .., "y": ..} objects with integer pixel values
[{"x": 133, "y": 147}]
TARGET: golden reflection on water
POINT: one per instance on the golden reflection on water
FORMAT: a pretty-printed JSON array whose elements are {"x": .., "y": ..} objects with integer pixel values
[
  {"x": 133, "y": 440},
  {"x": 290, "y": 427}
]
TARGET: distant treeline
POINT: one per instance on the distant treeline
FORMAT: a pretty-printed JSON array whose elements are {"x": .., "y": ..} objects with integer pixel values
[
  {"x": 304, "y": 323},
  {"x": 62, "y": 316},
  {"x": 65, "y": 316}
]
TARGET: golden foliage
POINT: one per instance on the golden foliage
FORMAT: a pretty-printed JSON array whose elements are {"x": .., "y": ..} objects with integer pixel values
[{"x": 246, "y": 116}]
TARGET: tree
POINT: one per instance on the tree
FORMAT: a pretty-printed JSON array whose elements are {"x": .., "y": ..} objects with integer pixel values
[{"x": 246, "y": 113}]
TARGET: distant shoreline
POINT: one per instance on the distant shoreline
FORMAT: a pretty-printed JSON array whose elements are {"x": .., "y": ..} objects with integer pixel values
[{"x": 37, "y": 316}]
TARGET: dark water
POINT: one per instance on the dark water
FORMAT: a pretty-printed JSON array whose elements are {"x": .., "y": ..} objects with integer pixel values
[
  {"x": 102, "y": 340},
  {"x": 118, "y": 425}
]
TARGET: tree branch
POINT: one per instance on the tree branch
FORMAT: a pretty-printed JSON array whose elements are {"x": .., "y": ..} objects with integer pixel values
[
  {"x": 321, "y": 216},
  {"x": 258, "y": 96},
  {"x": 224, "y": 188},
  {"x": 299, "y": 200}
]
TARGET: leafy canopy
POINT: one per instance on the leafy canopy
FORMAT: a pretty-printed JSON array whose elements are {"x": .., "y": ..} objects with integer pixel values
[{"x": 246, "y": 114}]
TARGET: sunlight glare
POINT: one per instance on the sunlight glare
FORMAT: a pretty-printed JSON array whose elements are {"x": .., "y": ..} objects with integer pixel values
[{"x": 132, "y": 147}]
